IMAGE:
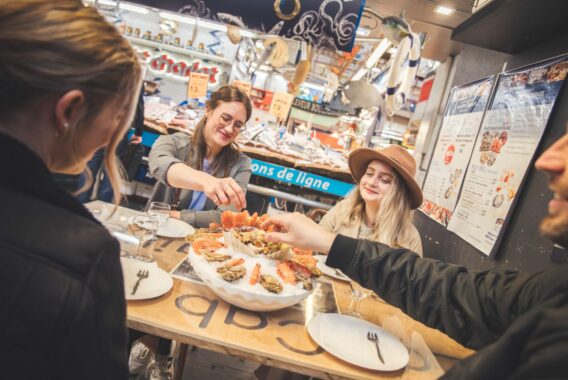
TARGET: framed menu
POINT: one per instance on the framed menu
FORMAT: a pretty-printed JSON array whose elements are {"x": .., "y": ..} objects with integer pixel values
[
  {"x": 510, "y": 133},
  {"x": 462, "y": 119}
]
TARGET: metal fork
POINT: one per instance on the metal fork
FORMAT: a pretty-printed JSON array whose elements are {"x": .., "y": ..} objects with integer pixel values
[
  {"x": 142, "y": 274},
  {"x": 375, "y": 339}
]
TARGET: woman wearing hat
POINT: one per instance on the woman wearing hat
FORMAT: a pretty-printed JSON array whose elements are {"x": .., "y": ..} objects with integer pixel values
[{"x": 380, "y": 207}]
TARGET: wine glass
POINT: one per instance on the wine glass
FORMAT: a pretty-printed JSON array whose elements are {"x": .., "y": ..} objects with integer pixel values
[
  {"x": 359, "y": 293},
  {"x": 145, "y": 229},
  {"x": 161, "y": 211}
]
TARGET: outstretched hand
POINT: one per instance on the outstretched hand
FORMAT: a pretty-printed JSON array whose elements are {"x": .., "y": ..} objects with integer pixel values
[
  {"x": 225, "y": 191},
  {"x": 300, "y": 231}
]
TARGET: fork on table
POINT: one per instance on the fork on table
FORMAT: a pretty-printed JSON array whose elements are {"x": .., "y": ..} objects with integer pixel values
[
  {"x": 142, "y": 274},
  {"x": 372, "y": 336}
]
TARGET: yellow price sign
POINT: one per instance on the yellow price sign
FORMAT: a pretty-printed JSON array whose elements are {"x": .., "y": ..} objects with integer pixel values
[
  {"x": 197, "y": 86},
  {"x": 281, "y": 103},
  {"x": 243, "y": 86}
]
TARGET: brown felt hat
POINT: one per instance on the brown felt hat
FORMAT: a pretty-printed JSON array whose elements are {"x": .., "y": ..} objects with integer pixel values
[{"x": 397, "y": 157}]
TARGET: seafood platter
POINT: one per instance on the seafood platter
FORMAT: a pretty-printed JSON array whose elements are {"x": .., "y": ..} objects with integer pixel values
[{"x": 237, "y": 263}]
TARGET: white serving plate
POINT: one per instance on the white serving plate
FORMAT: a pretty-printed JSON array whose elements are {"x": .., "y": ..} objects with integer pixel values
[{"x": 240, "y": 293}]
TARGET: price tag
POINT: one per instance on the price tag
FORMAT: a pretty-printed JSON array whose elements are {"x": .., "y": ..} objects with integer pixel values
[
  {"x": 197, "y": 86},
  {"x": 243, "y": 86},
  {"x": 281, "y": 103}
]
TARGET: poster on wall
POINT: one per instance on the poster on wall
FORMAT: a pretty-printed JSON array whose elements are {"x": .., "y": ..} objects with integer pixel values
[
  {"x": 510, "y": 133},
  {"x": 329, "y": 23},
  {"x": 462, "y": 120}
]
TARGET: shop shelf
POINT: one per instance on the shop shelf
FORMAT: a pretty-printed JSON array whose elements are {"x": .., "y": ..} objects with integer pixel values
[{"x": 179, "y": 50}]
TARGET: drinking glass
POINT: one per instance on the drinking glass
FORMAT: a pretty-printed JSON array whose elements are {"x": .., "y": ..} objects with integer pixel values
[
  {"x": 161, "y": 211},
  {"x": 144, "y": 229},
  {"x": 359, "y": 293}
]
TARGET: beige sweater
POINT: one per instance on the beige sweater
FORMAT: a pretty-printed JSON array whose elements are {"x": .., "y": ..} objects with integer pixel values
[{"x": 335, "y": 221}]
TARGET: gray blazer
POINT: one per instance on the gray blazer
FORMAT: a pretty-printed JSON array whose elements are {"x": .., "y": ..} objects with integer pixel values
[{"x": 171, "y": 149}]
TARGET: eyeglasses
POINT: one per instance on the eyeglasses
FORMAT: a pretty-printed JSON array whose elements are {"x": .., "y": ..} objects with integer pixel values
[{"x": 225, "y": 120}]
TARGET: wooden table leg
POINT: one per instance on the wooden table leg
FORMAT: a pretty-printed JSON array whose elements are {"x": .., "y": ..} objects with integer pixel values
[{"x": 180, "y": 362}]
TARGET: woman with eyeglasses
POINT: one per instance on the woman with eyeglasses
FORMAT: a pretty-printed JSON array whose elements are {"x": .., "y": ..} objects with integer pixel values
[{"x": 205, "y": 174}]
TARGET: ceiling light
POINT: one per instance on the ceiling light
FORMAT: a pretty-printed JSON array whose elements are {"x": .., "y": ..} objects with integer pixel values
[
  {"x": 442, "y": 9},
  {"x": 176, "y": 17},
  {"x": 134, "y": 8},
  {"x": 377, "y": 53}
]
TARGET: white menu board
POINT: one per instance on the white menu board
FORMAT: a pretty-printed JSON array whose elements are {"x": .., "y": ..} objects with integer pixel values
[
  {"x": 462, "y": 119},
  {"x": 509, "y": 136}
]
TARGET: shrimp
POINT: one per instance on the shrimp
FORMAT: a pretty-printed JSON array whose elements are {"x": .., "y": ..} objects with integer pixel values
[
  {"x": 255, "y": 275},
  {"x": 299, "y": 251},
  {"x": 206, "y": 244},
  {"x": 285, "y": 273},
  {"x": 227, "y": 219},
  {"x": 235, "y": 262},
  {"x": 241, "y": 219}
]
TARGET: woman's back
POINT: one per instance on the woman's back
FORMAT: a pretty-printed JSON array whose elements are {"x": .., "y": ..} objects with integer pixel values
[{"x": 63, "y": 307}]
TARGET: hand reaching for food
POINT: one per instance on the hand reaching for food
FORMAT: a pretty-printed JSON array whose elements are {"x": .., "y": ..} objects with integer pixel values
[
  {"x": 300, "y": 231},
  {"x": 224, "y": 191}
]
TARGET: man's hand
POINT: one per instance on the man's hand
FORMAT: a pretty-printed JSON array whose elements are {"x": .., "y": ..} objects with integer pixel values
[{"x": 300, "y": 231}]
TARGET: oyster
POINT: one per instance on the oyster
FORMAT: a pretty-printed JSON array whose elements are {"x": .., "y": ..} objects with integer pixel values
[
  {"x": 232, "y": 273},
  {"x": 270, "y": 283},
  {"x": 306, "y": 281},
  {"x": 215, "y": 257}
]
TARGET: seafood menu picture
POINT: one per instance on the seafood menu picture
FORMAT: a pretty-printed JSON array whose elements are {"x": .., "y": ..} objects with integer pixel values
[
  {"x": 510, "y": 133},
  {"x": 455, "y": 145}
]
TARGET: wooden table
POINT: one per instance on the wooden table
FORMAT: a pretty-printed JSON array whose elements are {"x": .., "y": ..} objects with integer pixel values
[{"x": 193, "y": 315}]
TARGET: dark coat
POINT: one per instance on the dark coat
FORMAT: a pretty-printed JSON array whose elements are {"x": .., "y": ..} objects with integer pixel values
[
  {"x": 518, "y": 322},
  {"x": 62, "y": 307}
]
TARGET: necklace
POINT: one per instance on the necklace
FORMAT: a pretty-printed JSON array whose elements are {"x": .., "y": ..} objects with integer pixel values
[{"x": 364, "y": 231}]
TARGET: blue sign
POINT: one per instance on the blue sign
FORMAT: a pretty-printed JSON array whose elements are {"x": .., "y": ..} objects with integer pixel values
[{"x": 300, "y": 178}]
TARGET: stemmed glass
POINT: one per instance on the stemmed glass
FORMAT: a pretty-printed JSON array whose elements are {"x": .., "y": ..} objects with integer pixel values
[
  {"x": 145, "y": 228},
  {"x": 161, "y": 211},
  {"x": 359, "y": 293}
]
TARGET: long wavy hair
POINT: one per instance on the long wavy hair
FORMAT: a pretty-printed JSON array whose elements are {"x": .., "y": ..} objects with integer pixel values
[
  {"x": 230, "y": 153},
  {"x": 51, "y": 47},
  {"x": 393, "y": 222}
]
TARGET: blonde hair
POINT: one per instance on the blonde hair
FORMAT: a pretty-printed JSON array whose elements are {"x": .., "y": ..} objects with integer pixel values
[
  {"x": 50, "y": 47},
  {"x": 229, "y": 154},
  {"x": 393, "y": 222}
]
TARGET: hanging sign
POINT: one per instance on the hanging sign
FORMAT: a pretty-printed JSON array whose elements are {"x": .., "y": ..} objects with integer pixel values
[
  {"x": 197, "y": 87},
  {"x": 243, "y": 86},
  {"x": 281, "y": 103},
  {"x": 329, "y": 23}
]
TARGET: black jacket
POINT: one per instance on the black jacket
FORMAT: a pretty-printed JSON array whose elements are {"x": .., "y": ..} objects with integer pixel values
[
  {"x": 518, "y": 322},
  {"x": 62, "y": 308}
]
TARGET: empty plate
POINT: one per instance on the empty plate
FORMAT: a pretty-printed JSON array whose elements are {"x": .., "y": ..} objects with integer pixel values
[{"x": 345, "y": 337}]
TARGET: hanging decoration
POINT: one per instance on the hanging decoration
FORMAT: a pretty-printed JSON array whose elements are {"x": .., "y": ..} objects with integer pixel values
[
  {"x": 330, "y": 23},
  {"x": 402, "y": 72}
]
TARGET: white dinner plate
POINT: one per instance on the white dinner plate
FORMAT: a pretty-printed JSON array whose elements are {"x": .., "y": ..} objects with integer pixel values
[
  {"x": 173, "y": 228},
  {"x": 158, "y": 282},
  {"x": 345, "y": 337},
  {"x": 331, "y": 272}
]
